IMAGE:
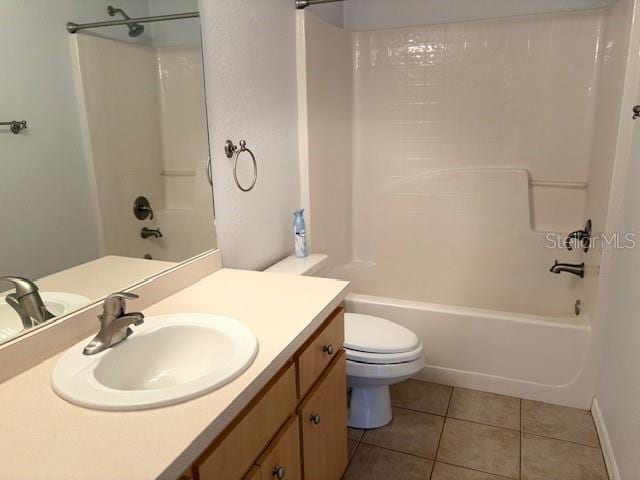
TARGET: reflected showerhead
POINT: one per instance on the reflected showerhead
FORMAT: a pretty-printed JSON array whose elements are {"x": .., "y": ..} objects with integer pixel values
[{"x": 135, "y": 29}]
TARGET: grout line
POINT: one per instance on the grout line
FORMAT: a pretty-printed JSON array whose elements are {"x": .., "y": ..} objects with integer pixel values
[
  {"x": 355, "y": 450},
  {"x": 484, "y": 424},
  {"x": 418, "y": 411},
  {"x": 441, "y": 433},
  {"x": 398, "y": 451},
  {"x": 475, "y": 470},
  {"x": 521, "y": 440},
  {"x": 561, "y": 440}
]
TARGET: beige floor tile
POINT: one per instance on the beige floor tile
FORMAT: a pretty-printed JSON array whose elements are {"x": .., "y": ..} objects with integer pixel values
[
  {"x": 351, "y": 447},
  {"x": 443, "y": 471},
  {"x": 421, "y": 396},
  {"x": 481, "y": 447},
  {"x": 411, "y": 432},
  {"x": 549, "y": 459},
  {"x": 355, "y": 434},
  {"x": 487, "y": 408},
  {"x": 373, "y": 463},
  {"x": 562, "y": 423}
]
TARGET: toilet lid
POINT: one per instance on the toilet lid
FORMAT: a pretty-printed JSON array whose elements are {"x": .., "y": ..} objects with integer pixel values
[{"x": 367, "y": 333}]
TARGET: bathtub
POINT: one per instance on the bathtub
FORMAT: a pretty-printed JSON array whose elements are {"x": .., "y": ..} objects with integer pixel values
[
  {"x": 539, "y": 357},
  {"x": 516, "y": 354}
]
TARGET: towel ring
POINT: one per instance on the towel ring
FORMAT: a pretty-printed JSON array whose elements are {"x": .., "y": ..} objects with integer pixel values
[{"x": 230, "y": 150}]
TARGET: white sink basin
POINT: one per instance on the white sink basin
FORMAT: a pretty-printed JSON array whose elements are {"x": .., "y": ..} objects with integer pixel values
[
  {"x": 167, "y": 360},
  {"x": 58, "y": 303}
]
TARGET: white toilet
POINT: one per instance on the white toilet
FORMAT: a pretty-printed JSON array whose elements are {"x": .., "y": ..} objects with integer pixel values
[{"x": 379, "y": 353}]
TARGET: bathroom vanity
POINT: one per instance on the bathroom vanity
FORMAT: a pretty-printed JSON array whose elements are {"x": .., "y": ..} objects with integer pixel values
[{"x": 284, "y": 417}]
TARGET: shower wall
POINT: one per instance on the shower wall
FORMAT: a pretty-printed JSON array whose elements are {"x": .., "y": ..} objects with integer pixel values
[
  {"x": 150, "y": 101},
  {"x": 470, "y": 143}
]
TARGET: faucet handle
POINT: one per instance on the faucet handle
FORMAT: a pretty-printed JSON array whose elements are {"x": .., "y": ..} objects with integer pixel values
[
  {"x": 115, "y": 304},
  {"x": 23, "y": 286}
]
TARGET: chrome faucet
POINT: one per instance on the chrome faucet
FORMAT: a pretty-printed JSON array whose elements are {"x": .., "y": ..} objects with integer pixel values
[
  {"x": 576, "y": 269},
  {"x": 27, "y": 302},
  {"x": 150, "y": 232},
  {"x": 114, "y": 323}
]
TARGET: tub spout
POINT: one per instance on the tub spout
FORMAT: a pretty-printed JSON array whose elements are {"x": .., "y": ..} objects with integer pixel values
[{"x": 574, "y": 268}]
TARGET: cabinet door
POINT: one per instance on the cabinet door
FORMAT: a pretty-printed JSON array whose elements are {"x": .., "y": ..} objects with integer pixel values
[
  {"x": 281, "y": 461},
  {"x": 321, "y": 350},
  {"x": 254, "y": 474},
  {"x": 233, "y": 454},
  {"x": 323, "y": 419}
]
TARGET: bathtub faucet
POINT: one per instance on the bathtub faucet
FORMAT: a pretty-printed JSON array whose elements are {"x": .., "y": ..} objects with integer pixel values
[{"x": 576, "y": 269}]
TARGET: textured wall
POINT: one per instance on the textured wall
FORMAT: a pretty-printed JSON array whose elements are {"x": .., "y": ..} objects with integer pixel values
[{"x": 250, "y": 70}]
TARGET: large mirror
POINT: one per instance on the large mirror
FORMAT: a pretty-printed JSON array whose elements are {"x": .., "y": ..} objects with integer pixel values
[{"x": 104, "y": 159}]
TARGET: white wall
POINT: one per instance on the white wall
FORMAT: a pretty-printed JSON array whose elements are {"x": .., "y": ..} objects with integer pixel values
[
  {"x": 325, "y": 75},
  {"x": 382, "y": 14},
  {"x": 618, "y": 328},
  {"x": 618, "y": 387},
  {"x": 250, "y": 69}
]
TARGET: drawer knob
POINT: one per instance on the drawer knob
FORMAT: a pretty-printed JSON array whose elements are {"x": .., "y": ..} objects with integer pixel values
[
  {"x": 314, "y": 418},
  {"x": 328, "y": 349},
  {"x": 279, "y": 473}
]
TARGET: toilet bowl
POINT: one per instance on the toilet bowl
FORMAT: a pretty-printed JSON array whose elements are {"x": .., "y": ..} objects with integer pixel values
[{"x": 379, "y": 353}]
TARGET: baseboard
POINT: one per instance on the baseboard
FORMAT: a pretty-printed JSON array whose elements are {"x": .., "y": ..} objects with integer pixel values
[{"x": 605, "y": 441}]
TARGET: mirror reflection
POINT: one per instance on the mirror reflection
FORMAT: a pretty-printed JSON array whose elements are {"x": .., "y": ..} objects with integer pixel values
[{"x": 104, "y": 165}]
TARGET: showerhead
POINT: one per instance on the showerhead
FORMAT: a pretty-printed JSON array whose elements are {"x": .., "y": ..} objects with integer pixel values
[{"x": 135, "y": 29}]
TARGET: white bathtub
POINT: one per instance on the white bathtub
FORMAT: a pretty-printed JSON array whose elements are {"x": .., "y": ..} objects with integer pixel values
[
  {"x": 516, "y": 354},
  {"x": 530, "y": 356}
]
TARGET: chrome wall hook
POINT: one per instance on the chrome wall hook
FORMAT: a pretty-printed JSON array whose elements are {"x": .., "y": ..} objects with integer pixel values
[
  {"x": 232, "y": 150},
  {"x": 16, "y": 125}
]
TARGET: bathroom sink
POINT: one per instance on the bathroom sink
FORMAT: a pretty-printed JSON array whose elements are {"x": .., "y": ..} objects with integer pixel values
[
  {"x": 58, "y": 303},
  {"x": 167, "y": 360}
]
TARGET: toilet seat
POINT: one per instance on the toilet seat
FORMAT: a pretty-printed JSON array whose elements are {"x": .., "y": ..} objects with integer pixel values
[
  {"x": 384, "y": 358},
  {"x": 375, "y": 340}
]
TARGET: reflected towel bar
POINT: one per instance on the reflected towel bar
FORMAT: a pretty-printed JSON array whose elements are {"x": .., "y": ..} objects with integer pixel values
[{"x": 16, "y": 125}]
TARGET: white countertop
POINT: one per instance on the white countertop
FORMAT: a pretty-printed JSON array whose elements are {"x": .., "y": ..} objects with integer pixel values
[{"x": 44, "y": 437}]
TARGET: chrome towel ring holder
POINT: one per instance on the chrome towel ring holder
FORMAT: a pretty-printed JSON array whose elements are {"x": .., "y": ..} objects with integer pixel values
[{"x": 232, "y": 150}]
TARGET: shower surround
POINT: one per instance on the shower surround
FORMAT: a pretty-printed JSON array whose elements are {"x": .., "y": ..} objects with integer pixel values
[{"x": 437, "y": 164}]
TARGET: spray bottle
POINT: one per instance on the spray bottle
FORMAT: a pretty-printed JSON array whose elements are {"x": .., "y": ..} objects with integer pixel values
[{"x": 299, "y": 234}]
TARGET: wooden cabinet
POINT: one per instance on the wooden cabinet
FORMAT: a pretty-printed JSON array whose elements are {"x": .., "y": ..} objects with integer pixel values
[
  {"x": 296, "y": 427},
  {"x": 281, "y": 461},
  {"x": 321, "y": 349},
  {"x": 231, "y": 457},
  {"x": 323, "y": 416},
  {"x": 254, "y": 474}
]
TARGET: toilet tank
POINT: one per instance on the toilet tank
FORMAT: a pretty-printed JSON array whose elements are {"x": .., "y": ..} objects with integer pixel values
[{"x": 292, "y": 265}]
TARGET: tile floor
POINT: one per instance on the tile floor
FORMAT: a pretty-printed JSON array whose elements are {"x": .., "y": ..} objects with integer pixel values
[{"x": 445, "y": 433}]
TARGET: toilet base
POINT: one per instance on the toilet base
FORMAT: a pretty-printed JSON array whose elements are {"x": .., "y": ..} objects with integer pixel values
[{"x": 369, "y": 407}]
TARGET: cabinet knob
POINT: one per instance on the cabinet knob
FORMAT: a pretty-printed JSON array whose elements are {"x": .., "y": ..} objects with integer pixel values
[
  {"x": 636, "y": 112},
  {"x": 314, "y": 418},
  {"x": 279, "y": 473},
  {"x": 328, "y": 349}
]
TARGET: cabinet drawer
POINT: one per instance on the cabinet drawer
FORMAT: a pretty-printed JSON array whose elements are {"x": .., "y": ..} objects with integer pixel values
[
  {"x": 317, "y": 355},
  {"x": 281, "y": 461},
  {"x": 323, "y": 420},
  {"x": 231, "y": 456}
]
